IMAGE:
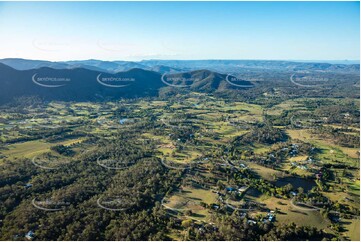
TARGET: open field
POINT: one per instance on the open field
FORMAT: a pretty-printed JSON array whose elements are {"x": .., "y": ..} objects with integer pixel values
[
  {"x": 31, "y": 148},
  {"x": 189, "y": 199},
  {"x": 329, "y": 151},
  {"x": 353, "y": 229}
]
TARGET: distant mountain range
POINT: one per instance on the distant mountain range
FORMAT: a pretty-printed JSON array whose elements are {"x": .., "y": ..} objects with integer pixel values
[
  {"x": 164, "y": 66},
  {"x": 93, "y": 80},
  {"x": 78, "y": 84},
  {"x": 96, "y": 65},
  {"x": 82, "y": 84}
]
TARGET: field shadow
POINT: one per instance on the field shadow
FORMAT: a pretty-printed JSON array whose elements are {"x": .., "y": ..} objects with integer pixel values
[
  {"x": 295, "y": 211},
  {"x": 196, "y": 215},
  {"x": 195, "y": 198}
]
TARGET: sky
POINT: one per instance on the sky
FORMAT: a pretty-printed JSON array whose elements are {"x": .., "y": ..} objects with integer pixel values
[{"x": 180, "y": 30}]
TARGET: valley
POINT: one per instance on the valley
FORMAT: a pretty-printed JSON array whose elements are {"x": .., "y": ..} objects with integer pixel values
[{"x": 192, "y": 158}]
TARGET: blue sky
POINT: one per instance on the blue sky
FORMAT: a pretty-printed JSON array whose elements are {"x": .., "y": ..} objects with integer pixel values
[{"x": 180, "y": 30}]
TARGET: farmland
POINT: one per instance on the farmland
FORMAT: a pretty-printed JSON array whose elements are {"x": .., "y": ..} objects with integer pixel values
[{"x": 214, "y": 156}]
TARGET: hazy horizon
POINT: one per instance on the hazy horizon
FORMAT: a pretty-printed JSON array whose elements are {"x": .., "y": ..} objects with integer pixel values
[{"x": 305, "y": 61}]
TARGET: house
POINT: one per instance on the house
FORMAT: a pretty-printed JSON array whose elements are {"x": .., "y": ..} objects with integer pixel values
[
  {"x": 100, "y": 121},
  {"x": 293, "y": 152},
  {"x": 215, "y": 207},
  {"x": 293, "y": 193},
  {"x": 230, "y": 189},
  {"x": 243, "y": 166},
  {"x": 302, "y": 167},
  {"x": 250, "y": 221},
  {"x": 28, "y": 185},
  {"x": 271, "y": 217},
  {"x": 30, "y": 235},
  {"x": 123, "y": 120},
  {"x": 242, "y": 189},
  {"x": 335, "y": 219}
]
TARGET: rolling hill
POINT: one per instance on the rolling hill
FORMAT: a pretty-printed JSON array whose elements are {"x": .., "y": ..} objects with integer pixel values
[
  {"x": 80, "y": 84},
  {"x": 76, "y": 84}
]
